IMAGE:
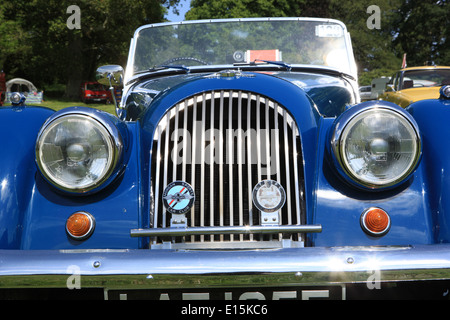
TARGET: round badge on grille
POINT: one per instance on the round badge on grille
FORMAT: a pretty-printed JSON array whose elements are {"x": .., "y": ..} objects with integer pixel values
[
  {"x": 178, "y": 197},
  {"x": 269, "y": 196}
]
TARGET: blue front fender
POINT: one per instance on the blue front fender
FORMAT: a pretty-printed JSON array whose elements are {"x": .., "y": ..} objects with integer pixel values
[
  {"x": 33, "y": 214},
  {"x": 18, "y": 130},
  {"x": 433, "y": 117}
]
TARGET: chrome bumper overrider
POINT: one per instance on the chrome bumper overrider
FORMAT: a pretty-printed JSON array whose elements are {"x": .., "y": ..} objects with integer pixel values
[{"x": 134, "y": 269}]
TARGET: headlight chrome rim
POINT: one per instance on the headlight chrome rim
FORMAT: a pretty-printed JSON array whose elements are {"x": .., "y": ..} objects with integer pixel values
[
  {"x": 445, "y": 92},
  {"x": 341, "y": 130},
  {"x": 108, "y": 130}
]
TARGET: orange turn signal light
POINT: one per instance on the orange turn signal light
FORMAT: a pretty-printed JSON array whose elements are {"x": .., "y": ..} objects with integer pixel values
[
  {"x": 375, "y": 221},
  {"x": 80, "y": 225}
]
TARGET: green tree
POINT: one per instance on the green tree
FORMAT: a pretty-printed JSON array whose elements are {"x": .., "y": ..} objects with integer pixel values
[
  {"x": 423, "y": 32},
  {"x": 60, "y": 54},
  {"x": 208, "y": 9},
  {"x": 373, "y": 46},
  {"x": 10, "y": 45}
]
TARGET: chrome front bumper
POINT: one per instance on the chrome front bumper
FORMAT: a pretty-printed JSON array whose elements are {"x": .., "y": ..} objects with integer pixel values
[{"x": 141, "y": 269}]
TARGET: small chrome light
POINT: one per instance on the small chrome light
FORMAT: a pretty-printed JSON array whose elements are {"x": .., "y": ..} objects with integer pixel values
[
  {"x": 445, "y": 92},
  {"x": 376, "y": 147},
  {"x": 375, "y": 221},
  {"x": 78, "y": 151},
  {"x": 80, "y": 225},
  {"x": 17, "y": 98}
]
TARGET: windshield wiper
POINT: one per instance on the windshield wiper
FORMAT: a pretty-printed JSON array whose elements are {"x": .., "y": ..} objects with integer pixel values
[
  {"x": 253, "y": 63},
  {"x": 149, "y": 72},
  {"x": 165, "y": 67},
  {"x": 177, "y": 66}
]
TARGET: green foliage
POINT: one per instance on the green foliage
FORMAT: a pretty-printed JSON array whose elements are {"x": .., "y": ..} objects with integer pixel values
[
  {"x": 37, "y": 44},
  {"x": 423, "y": 31},
  {"x": 365, "y": 78},
  {"x": 207, "y": 9},
  {"x": 10, "y": 43}
]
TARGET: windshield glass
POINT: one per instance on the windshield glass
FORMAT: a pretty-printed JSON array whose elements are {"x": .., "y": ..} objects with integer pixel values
[
  {"x": 221, "y": 42},
  {"x": 426, "y": 78}
]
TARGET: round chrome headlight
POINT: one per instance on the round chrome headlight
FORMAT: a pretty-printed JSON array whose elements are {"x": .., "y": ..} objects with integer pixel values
[
  {"x": 445, "y": 92},
  {"x": 78, "y": 152},
  {"x": 377, "y": 147}
]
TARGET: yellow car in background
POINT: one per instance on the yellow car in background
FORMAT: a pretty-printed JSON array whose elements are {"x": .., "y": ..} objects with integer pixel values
[{"x": 416, "y": 83}]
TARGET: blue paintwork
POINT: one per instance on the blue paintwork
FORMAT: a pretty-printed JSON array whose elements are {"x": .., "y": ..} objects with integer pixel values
[
  {"x": 18, "y": 128},
  {"x": 33, "y": 214},
  {"x": 432, "y": 117},
  {"x": 338, "y": 207},
  {"x": 339, "y": 204}
]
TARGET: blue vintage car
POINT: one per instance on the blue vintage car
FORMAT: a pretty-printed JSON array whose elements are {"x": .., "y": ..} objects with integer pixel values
[{"x": 241, "y": 164}]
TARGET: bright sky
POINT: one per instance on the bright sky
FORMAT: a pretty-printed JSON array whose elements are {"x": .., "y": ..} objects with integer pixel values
[{"x": 183, "y": 7}]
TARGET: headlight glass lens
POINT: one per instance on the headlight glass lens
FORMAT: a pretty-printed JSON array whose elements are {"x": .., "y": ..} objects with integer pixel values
[
  {"x": 75, "y": 152},
  {"x": 379, "y": 147}
]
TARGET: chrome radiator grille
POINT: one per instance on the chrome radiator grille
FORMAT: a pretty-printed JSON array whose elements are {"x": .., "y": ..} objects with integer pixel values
[{"x": 223, "y": 143}]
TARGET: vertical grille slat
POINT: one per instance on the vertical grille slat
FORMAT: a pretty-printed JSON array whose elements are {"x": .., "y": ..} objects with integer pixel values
[
  {"x": 221, "y": 164},
  {"x": 158, "y": 173},
  {"x": 249, "y": 164},
  {"x": 287, "y": 168},
  {"x": 211, "y": 167},
  {"x": 258, "y": 135},
  {"x": 193, "y": 160},
  {"x": 165, "y": 169},
  {"x": 202, "y": 164},
  {"x": 223, "y": 143},
  {"x": 239, "y": 163},
  {"x": 230, "y": 161},
  {"x": 184, "y": 164}
]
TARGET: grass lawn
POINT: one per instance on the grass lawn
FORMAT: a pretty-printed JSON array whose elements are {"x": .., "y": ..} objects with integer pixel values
[{"x": 58, "y": 104}]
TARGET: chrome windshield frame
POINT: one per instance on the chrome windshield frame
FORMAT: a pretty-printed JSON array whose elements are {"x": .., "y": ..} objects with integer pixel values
[{"x": 129, "y": 74}]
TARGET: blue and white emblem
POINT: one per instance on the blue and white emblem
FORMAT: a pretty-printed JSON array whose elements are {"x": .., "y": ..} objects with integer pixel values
[{"x": 178, "y": 197}]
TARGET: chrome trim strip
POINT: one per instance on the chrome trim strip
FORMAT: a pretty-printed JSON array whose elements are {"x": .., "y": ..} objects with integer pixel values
[
  {"x": 240, "y": 163},
  {"x": 205, "y": 268},
  {"x": 286, "y": 152},
  {"x": 212, "y": 143},
  {"x": 166, "y": 159},
  {"x": 176, "y": 232},
  {"x": 221, "y": 164},
  {"x": 230, "y": 158},
  {"x": 267, "y": 130},
  {"x": 249, "y": 163},
  {"x": 295, "y": 134},
  {"x": 202, "y": 165},
  {"x": 277, "y": 142},
  {"x": 258, "y": 135},
  {"x": 324, "y": 20},
  {"x": 158, "y": 172},
  {"x": 194, "y": 147},
  {"x": 183, "y": 176},
  {"x": 175, "y": 144}
]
